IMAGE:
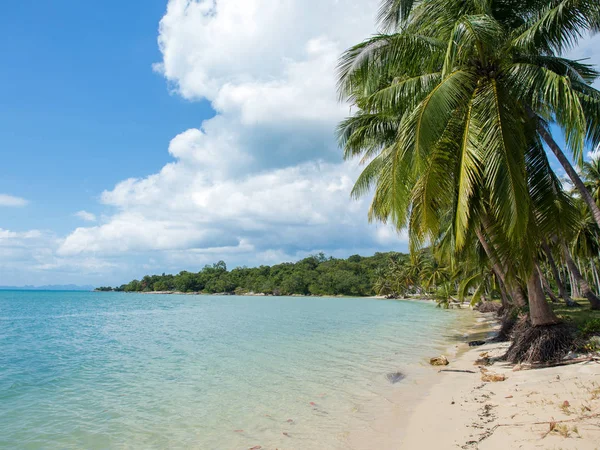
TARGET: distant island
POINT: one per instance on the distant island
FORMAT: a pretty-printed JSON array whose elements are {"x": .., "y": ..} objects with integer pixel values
[
  {"x": 315, "y": 275},
  {"x": 50, "y": 287}
]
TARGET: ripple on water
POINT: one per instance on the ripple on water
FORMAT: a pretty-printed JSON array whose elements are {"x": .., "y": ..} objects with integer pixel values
[{"x": 113, "y": 370}]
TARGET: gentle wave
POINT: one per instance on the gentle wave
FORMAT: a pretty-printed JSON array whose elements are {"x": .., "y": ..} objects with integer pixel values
[{"x": 113, "y": 370}]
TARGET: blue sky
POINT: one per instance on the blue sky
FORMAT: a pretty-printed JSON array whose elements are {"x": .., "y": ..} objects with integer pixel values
[
  {"x": 156, "y": 136},
  {"x": 81, "y": 107}
]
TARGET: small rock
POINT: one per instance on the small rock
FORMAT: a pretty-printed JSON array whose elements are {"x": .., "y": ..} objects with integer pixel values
[
  {"x": 493, "y": 377},
  {"x": 395, "y": 377},
  {"x": 439, "y": 361},
  {"x": 517, "y": 368}
]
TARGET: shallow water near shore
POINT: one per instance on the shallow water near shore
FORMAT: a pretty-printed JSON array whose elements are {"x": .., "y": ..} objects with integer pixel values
[{"x": 114, "y": 370}]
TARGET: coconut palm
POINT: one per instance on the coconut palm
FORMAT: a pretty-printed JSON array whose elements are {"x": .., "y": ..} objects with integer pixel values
[
  {"x": 453, "y": 108},
  {"x": 540, "y": 30},
  {"x": 591, "y": 174}
]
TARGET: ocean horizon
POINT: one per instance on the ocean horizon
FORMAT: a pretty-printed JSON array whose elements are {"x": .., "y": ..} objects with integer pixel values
[{"x": 114, "y": 370}]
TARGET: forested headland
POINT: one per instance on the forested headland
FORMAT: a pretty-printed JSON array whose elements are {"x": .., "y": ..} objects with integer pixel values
[{"x": 314, "y": 275}]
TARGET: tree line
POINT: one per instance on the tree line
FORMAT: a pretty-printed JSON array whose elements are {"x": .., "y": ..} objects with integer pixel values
[{"x": 314, "y": 275}]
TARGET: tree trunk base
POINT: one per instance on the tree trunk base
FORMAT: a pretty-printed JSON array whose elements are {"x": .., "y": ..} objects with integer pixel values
[
  {"x": 547, "y": 343},
  {"x": 507, "y": 324}
]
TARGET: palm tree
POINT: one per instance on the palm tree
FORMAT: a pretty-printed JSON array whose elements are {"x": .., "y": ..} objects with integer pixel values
[
  {"x": 550, "y": 88},
  {"x": 452, "y": 113},
  {"x": 591, "y": 174}
]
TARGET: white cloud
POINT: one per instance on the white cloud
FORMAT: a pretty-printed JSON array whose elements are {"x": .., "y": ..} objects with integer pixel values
[
  {"x": 87, "y": 216},
  {"x": 588, "y": 50},
  {"x": 263, "y": 180},
  {"x": 10, "y": 200}
]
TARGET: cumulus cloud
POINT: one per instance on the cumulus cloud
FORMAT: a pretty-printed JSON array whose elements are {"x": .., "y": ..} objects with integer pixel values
[
  {"x": 87, "y": 216},
  {"x": 263, "y": 180},
  {"x": 10, "y": 200},
  {"x": 30, "y": 257}
]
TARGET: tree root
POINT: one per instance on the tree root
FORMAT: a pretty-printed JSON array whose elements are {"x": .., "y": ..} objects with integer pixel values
[
  {"x": 539, "y": 344},
  {"x": 507, "y": 324}
]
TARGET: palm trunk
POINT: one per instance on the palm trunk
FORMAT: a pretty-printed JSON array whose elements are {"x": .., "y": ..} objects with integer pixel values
[
  {"x": 503, "y": 294},
  {"x": 561, "y": 287},
  {"x": 574, "y": 286},
  {"x": 583, "y": 284},
  {"x": 546, "y": 285},
  {"x": 595, "y": 272},
  {"x": 540, "y": 312},
  {"x": 515, "y": 292},
  {"x": 573, "y": 175}
]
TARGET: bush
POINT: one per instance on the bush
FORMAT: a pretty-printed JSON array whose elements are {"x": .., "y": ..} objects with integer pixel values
[{"x": 590, "y": 327}]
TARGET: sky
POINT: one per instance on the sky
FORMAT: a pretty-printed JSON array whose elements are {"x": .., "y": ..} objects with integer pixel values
[{"x": 154, "y": 136}]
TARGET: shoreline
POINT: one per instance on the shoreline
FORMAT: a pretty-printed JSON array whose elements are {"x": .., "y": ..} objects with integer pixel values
[
  {"x": 383, "y": 422},
  {"x": 554, "y": 407},
  {"x": 464, "y": 305}
]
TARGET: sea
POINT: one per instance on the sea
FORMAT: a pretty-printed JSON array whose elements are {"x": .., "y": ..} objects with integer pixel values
[{"x": 92, "y": 370}]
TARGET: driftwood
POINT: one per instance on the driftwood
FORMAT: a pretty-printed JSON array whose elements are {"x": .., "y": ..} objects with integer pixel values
[{"x": 456, "y": 370}]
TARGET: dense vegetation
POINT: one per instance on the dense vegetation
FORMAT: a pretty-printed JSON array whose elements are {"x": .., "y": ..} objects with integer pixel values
[
  {"x": 315, "y": 275},
  {"x": 455, "y": 104}
]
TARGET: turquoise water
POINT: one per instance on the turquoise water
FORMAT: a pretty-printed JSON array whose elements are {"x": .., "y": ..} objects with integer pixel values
[{"x": 114, "y": 370}]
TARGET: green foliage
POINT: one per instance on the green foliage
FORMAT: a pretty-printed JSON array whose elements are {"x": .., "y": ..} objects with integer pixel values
[
  {"x": 580, "y": 318},
  {"x": 104, "y": 289},
  {"x": 452, "y": 106},
  {"x": 591, "y": 327},
  {"x": 315, "y": 275}
]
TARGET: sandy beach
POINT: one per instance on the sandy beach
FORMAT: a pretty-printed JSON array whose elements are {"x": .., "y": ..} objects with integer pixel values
[{"x": 550, "y": 408}]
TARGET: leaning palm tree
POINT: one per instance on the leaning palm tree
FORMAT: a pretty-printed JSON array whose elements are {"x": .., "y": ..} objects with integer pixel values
[
  {"x": 453, "y": 109},
  {"x": 442, "y": 115},
  {"x": 554, "y": 89}
]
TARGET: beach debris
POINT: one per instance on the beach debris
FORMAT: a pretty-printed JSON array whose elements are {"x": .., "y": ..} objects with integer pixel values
[
  {"x": 493, "y": 377},
  {"x": 256, "y": 447},
  {"x": 395, "y": 377},
  {"x": 439, "y": 361},
  {"x": 238, "y": 431},
  {"x": 286, "y": 434},
  {"x": 476, "y": 343},
  {"x": 290, "y": 421},
  {"x": 312, "y": 404},
  {"x": 456, "y": 370},
  {"x": 517, "y": 368},
  {"x": 485, "y": 361}
]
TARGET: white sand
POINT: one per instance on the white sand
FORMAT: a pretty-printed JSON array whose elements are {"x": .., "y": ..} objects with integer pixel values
[{"x": 461, "y": 411}]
